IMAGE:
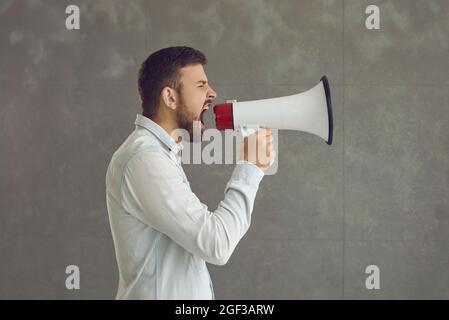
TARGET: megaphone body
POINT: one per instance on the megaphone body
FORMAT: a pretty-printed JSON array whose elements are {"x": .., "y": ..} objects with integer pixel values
[{"x": 309, "y": 111}]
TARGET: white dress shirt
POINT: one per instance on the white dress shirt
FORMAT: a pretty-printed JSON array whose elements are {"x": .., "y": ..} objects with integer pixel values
[{"x": 163, "y": 235}]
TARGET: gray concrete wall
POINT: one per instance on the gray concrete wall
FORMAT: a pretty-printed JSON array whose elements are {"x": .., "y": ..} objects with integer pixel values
[{"x": 377, "y": 196}]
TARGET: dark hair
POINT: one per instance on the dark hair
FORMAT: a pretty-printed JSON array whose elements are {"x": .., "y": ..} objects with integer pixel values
[{"x": 161, "y": 69}]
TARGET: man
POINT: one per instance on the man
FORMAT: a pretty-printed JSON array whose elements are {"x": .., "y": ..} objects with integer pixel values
[{"x": 163, "y": 235}]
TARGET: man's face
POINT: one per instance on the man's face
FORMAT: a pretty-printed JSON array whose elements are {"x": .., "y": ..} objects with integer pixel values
[{"x": 195, "y": 98}]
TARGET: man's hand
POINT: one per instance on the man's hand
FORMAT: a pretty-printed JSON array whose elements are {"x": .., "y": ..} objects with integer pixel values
[{"x": 258, "y": 149}]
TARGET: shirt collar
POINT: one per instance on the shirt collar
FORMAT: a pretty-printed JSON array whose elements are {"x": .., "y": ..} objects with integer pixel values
[{"x": 159, "y": 132}]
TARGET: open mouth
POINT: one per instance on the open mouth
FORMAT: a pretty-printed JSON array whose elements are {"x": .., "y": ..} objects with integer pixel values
[{"x": 203, "y": 111}]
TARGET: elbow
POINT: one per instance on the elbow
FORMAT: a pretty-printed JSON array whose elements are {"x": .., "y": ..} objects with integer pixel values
[
  {"x": 213, "y": 254},
  {"x": 219, "y": 260},
  {"x": 219, "y": 249},
  {"x": 219, "y": 255},
  {"x": 222, "y": 253}
]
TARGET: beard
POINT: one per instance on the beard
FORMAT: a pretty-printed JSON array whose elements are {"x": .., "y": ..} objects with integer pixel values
[{"x": 189, "y": 122}]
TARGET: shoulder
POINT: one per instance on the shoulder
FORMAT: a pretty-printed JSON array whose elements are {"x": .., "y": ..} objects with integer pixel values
[
  {"x": 137, "y": 146},
  {"x": 154, "y": 161}
]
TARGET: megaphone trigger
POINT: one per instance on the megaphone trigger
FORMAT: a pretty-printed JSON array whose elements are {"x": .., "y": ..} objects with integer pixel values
[{"x": 248, "y": 129}]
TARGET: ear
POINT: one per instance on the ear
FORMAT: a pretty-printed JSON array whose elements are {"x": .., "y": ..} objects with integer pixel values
[{"x": 169, "y": 97}]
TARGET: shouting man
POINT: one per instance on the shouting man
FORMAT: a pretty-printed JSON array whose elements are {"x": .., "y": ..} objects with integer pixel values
[{"x": 163, "y": 235}]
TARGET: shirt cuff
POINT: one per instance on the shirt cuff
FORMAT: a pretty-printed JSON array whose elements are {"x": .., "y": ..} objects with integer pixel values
[{"x": 248, "y": 172}]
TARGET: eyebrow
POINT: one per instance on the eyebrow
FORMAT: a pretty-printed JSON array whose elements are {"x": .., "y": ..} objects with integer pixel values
[{"x": 202, "y": 81}]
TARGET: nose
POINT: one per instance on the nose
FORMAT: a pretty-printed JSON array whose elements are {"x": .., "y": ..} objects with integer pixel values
[{"x": 211, "y": 94}]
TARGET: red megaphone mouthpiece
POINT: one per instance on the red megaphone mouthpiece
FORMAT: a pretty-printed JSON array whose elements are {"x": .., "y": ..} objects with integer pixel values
[{"x": 223, "y": 116}]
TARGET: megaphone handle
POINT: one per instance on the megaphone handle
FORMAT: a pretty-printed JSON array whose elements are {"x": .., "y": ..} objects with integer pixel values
[{"x": 248, "y": 129}]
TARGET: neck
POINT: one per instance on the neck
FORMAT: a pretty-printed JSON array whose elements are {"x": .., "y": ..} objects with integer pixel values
[{"x": 166, "y": 123}]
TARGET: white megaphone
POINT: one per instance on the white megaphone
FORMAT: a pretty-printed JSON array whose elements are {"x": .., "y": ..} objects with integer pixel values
[{"x": 308, "y": 111}]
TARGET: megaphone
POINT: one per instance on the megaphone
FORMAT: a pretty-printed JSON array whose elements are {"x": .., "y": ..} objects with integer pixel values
[{"x": 309, "y": 111}]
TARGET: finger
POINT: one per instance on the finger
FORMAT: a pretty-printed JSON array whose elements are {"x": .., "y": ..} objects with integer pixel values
[{"x": 262, "y": 131}]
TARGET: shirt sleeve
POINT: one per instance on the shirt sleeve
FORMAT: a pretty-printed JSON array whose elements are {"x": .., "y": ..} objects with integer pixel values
[{"x": 154, "y": 191}]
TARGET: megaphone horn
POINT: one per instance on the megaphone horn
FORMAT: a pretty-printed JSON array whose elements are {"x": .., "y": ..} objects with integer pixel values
[{"x": 309, "y": 111}]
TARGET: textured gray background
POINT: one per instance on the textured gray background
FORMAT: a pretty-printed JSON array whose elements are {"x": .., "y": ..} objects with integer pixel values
[{"x": 378, "y": 195}]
